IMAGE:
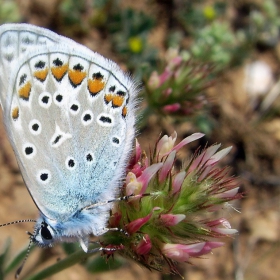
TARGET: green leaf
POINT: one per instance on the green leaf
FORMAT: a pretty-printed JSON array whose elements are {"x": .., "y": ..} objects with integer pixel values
[
  {"x": 61, "y": 265},
  {"x": 70, "y": 248},
  {"x": 17, "y": 260},
  {"x": 101, "y": 264},
  {"x": 3, "y": 257}
]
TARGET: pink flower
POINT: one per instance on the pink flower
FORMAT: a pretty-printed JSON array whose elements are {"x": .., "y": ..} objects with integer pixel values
[
  {"x": 228, "y": 194},
  {"x": 207, "y": 248},
  {"x": 171, "y": 108},
  {"x": 138, "y": 151},
  {"x": 207, "y": 159},
  {"x": 179, "y": 229},
  {"x": 165, "y": 144},
  {"x": 171, "y": 219},
  {"x": 135, "y": 225},
  {"x": 167, "y": 92},
  {"x": 188, "y": 140},
  {"x": 154, "y": 81},
  {"x": 168, "y": 164},
  {"x": 138, "y": 162},
  {"x": 176, "y": 61},
  {"x": 164, "y": 76},
  {"x": 115, "y": 219},
  {"x": 138, "y": 185},
  {"x": 226, "y": 230},
  {"x": 171, "y": 54},
  {"x": 137, "y": 169},
  {"x": 133, "y": 186},
  {"x": 181, "y": 252},
  {"x": 178, "y": 181},
  {"x": 144, "y": 246}
]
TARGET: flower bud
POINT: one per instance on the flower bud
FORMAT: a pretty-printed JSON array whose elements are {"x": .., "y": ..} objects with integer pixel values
[
  {"x": 144, "y": 246},
  {"x": 171, "y": 219}
]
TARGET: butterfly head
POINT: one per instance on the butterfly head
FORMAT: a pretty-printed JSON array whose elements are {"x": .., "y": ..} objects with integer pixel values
[{"x": 44, "y": 235}]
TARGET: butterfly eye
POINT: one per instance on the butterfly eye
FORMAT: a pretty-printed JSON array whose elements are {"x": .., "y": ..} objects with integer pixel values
[{"x": 45, "y": 233}]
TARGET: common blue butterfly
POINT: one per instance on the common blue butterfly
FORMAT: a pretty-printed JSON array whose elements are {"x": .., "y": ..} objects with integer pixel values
[{"x": 69, "y": 114}]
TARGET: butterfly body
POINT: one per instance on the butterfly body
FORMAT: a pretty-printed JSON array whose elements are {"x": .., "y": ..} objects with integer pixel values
[{"x": 69, "y": 114}]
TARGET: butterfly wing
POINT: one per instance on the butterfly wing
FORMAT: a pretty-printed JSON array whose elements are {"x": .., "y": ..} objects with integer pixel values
[
  {"x": 15, "y": 41},
  {"x": 69, "y": 114}
]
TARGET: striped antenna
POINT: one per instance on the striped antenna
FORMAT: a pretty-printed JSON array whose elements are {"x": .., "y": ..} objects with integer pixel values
[
  {"x": 26, "y": 256},
  {"x": 30, "y": 242},
  {"x": 19, "y": 221}
]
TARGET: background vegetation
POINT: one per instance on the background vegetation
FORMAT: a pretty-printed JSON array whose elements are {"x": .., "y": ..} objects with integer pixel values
[{"x": 205, "y": 66}]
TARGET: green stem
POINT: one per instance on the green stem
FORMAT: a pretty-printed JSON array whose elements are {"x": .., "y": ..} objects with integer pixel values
[{"x": 61, "y": 265}]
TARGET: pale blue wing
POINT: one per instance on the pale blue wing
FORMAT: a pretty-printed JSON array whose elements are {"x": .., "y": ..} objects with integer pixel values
[
  {"x": 69, "y": 114},
  {"x": 15, "y": 41}
]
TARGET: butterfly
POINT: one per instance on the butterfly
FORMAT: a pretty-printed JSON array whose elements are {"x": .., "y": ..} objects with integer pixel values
[{"x": 69, "y": 114}]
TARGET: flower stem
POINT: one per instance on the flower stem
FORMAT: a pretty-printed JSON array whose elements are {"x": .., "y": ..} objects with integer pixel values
[{"x": 69, "y": 261}]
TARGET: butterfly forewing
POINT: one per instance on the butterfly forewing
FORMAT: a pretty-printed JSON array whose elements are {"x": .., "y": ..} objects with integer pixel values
[
  {"x": 69, "y": 122},
  {"x": 15, "y": 41}
]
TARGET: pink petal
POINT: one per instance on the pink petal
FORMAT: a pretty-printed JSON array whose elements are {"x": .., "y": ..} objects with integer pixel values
[
  {"x": 225, "y": 231},
  {"x": 154, "y": 80},
  {"x": 115, "y": 219},
  {"x": 188, "y": 140},
  {"x": 172, "y": 108},
  {"x": 204, "y": 157},
  {"x": 138, "y": 150},
  {"x": 228, "y": 194},
  {"x": 135, "y": 225},
  {"x": 165, "y": 144},
  {"x": 225, "y": 223},
  {"x": 164, "y": 76},
  {"x": 147, "y": 175},
  {"x": 218, "y": 156},
  {"x": 178, "y": 181},
  {"x": 193, "y": 249},
  {"x": 208, "y": 246},
  {"x": 167, "y": 166},
  {"x": 172, "y": 219},
  {"x": 133, "y": 185},
  {"x": 217, "y": 222},
  {"x": 173, "y": 251},
  {"x": 144, "y": 246}
]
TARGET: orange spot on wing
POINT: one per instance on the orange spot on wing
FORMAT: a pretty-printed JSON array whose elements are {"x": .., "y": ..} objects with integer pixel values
[
  {"x": 24, "y": 91},
  {"x": 59, "y": 71},
  {"x": 15, "y": 113},
  {"x": 41, "y": 75},
  {"x": 124, "y": 111},
  {"x": 108, "y": 98},
  {"x": 95, "y": 86},
  {"x": 117, "y": 101},
  {"x": 76, "y": 77}
]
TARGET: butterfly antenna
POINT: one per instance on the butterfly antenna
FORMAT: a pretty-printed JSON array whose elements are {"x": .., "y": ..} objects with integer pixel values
[
  {"x": 30, "y": 242},
  {"x": 26, "y": 255},
  {"x": 19, "y": 221}
]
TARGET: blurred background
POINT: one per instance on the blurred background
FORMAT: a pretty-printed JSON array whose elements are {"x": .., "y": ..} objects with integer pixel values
[{"x": 205, "y": 66}]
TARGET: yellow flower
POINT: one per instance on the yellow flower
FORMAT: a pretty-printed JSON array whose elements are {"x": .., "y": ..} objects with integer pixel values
[
  {"x": 209, "y": 12},
  {"x": 135, "y": 44}
]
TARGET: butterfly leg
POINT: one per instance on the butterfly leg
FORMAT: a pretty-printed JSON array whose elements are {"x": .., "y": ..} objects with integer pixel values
[
  {"x": 122, "y": 198},
  {"x": 104, "y": 230},
  {"x": 84, "y": 244},
  {"x": 107, "y": 250},
  {"x": 127, "y": 197}
]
